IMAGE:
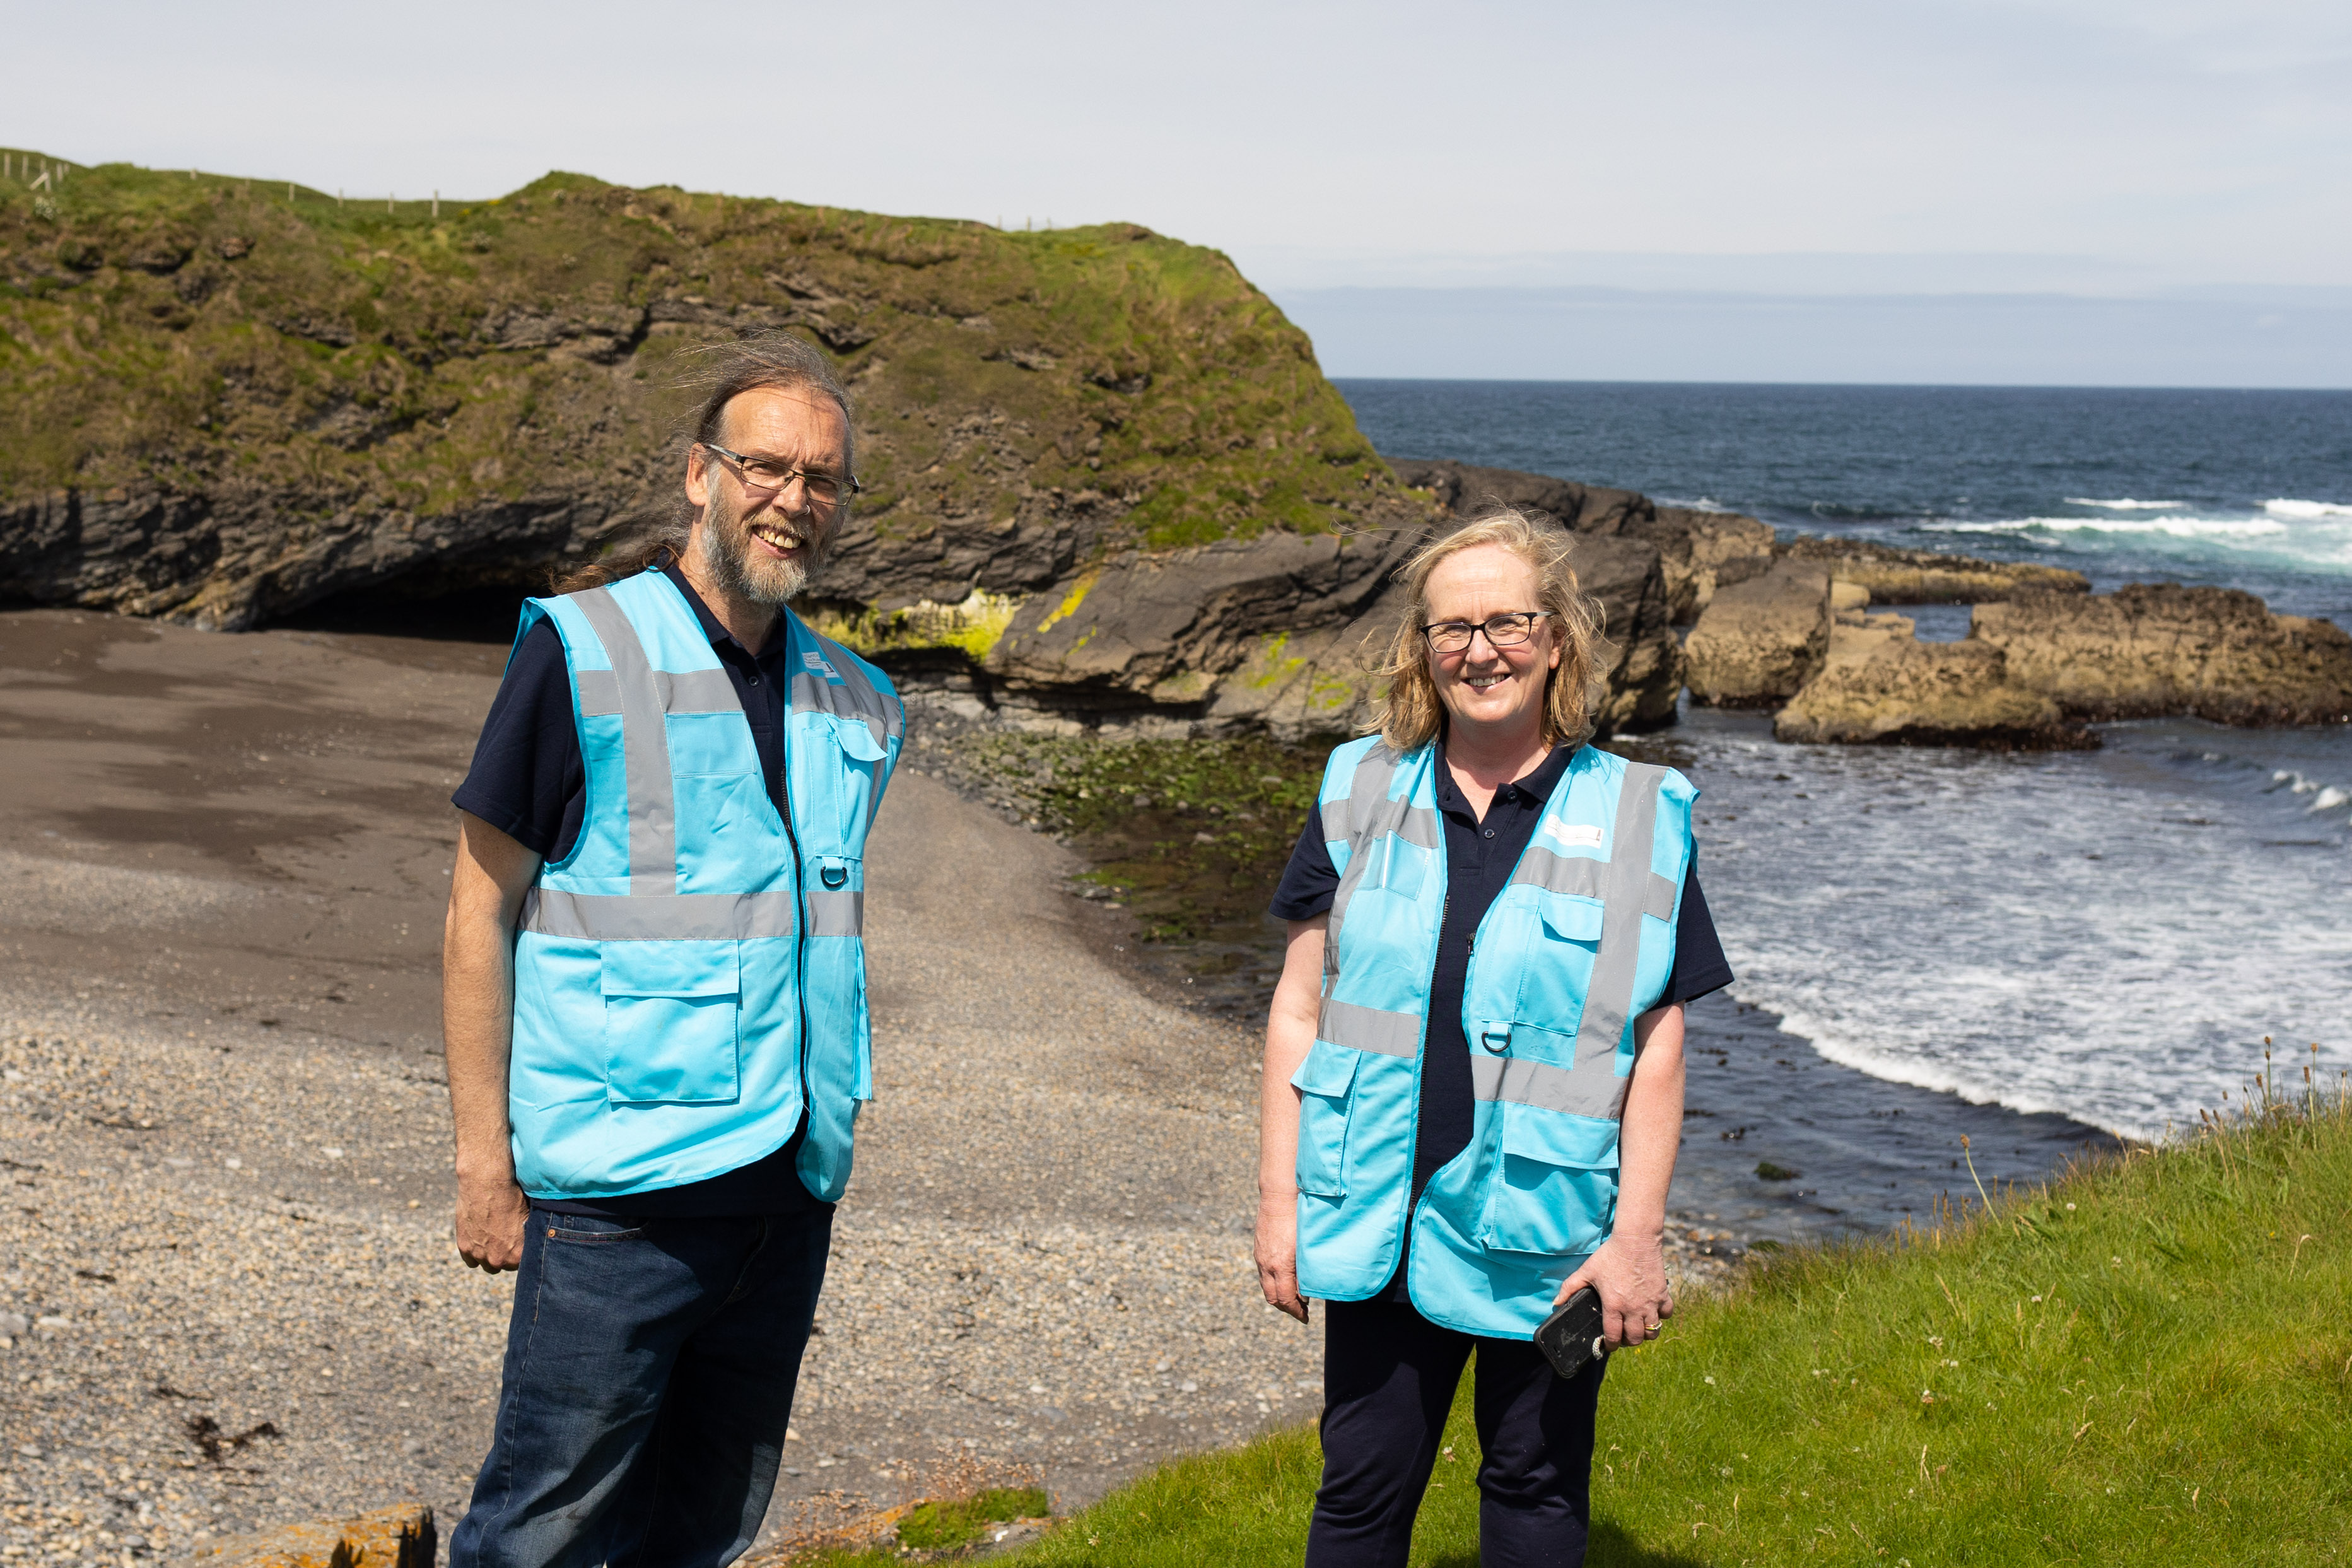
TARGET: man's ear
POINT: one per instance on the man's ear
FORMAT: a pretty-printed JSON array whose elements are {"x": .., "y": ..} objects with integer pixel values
[{"x": 697, "y": 477}]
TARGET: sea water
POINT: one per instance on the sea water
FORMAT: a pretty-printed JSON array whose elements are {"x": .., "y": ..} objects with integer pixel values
[{"x": 2105, "y": 935}]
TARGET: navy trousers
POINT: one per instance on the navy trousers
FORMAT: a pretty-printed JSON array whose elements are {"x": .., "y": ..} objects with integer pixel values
[
  {"x": 649, "y": 1374},
  {"x": 1389, "y": 1377}
]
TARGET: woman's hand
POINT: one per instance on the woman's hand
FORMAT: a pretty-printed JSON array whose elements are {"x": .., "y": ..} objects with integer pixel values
[
  {"x": 1289, "y": 1036},
  {"x": 1630, "y": 1269},
  {"x": 1630, "y": 1272},
  {"x": 1277, "y": 1258}
]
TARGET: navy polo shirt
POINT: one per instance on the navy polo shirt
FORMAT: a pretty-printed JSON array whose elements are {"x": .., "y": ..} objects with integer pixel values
[
  {"x": 529, "y": 782},
  {"x": 1480, "y": 853}
]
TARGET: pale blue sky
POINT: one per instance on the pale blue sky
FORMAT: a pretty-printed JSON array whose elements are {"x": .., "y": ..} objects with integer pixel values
[{"x": 1818, "y": 147}]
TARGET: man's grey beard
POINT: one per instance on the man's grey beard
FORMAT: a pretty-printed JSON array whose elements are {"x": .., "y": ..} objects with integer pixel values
[{"x": 726, "y": 556}]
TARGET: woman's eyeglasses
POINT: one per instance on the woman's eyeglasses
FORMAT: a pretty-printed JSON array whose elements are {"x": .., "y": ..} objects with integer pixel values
[{"x": 1506, "y": 630}]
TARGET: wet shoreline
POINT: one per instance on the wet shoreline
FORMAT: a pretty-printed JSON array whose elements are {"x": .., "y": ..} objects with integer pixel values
[{"x": 1867, "y": 1153}]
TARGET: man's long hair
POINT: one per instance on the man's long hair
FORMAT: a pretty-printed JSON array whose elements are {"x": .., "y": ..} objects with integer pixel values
[{"x": 722, "y": 373}]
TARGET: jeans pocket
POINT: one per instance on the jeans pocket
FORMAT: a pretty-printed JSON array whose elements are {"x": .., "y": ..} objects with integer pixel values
[{"x": 591, "y": 1230}]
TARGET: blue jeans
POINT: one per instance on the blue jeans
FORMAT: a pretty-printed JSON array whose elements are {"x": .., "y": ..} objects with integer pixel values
[
  {"x": 1389, "y": 1377},
  {"x": 649, "y": 1374}
]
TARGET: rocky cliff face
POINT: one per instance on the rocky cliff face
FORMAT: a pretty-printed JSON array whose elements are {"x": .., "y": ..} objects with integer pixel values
[
  {"x": 2151, "y": 649},
  {"x": 218, "y": 405},
  {"x": 1762, "y": 640},
  {"x": 1880, "y": 686},
  {"x": 1284, "y": 634}
]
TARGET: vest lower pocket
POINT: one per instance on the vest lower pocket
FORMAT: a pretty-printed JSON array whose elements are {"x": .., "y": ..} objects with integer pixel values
[
  {"x": 671, "y": 1014},
  {"x": 1324, "y": 1080},
  {"x": 1554, "y": 1190}
]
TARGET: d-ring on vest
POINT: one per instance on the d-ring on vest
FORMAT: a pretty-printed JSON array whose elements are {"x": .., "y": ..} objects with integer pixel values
[
  {"x": 692, "y": 973},
  {"x": 1576, "y": 947}
]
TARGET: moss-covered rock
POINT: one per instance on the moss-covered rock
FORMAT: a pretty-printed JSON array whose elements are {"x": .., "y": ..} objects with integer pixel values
[{"x": 222, "y": 399}]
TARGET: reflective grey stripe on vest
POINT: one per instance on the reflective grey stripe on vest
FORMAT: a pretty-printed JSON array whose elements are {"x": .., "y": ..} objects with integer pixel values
[
  {"x": 1535, "y": 1083},
  {"x": 855, "y": 698},
  {"x": 837, "y": 913},
  {"x": 1368, "y": 810},
  {"x": 645, "y": 746},
  {"x": 1369, "y": 1028},
  {"x": 657, "y": 917},
  {"x": 1343, "y": 818},
  {"x": 1628, "y": 889},
  {"x": 681, "y": 691},
  {"x": 1587, "y": 878}
]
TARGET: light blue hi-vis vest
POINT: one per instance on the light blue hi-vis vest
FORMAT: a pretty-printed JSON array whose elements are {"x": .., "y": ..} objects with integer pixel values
[
  {"x": 1578, "y": 945},
  {"x": 692, "y": 973}
]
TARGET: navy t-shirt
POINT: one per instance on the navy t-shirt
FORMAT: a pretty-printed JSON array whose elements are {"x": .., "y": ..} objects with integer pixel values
[
  {"x": 1480, "y": 856},
  {"x": 529, "y": 782}
]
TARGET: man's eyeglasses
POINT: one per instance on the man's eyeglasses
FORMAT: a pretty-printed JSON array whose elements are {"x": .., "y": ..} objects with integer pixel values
[
  {"x": 765, "y": 475},
  {"x": 1506, "y": 630}
]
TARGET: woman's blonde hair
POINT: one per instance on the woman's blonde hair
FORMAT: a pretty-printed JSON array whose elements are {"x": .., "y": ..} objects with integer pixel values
[{"x": 1407, "y": 713}]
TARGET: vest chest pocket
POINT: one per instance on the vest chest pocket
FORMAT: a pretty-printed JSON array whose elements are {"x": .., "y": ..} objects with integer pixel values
[
  {"x": 1563, "y": 945},
  {"x": 1325, "y": 1081},
  {"x": 1554, "y": 1190},
  {"x": 670, "y": 1012},
  {"x": 835, "y": 760}
]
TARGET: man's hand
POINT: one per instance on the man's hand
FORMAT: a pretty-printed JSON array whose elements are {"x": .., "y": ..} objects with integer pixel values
[
  {"x": 491, "y": 1218},
  {"x": 1277, "y": 1258},
  {"x": 1630, "y": 1272},
  {"x": 486, "y": 889}
]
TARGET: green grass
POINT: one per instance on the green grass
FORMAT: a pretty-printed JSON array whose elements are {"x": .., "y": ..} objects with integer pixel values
[
  {"x": 929, "y": 1526},
  {"x": 2148, "y": 1362}
]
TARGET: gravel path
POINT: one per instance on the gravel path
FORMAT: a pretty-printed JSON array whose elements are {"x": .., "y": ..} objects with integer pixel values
[{"x": 228, "y": 1242}]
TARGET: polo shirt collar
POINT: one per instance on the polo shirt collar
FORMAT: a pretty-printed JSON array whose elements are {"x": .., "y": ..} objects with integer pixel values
[
  {"x": 1536, "y": 785},
  {"x": 721, "y": 637}
]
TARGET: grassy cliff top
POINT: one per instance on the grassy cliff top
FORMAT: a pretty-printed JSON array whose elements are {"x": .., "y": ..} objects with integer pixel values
[{"x": 268, "y": 345}]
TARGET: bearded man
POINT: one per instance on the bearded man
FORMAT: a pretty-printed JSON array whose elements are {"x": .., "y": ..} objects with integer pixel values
[{"x": 653, "y": 994}]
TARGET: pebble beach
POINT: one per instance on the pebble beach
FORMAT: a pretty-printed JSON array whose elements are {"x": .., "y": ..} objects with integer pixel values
[{"x": 228, "y": 1293}]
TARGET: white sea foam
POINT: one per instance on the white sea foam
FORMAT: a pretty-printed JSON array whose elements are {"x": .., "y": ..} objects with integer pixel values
[
  {"x": 2171, "y": 527},
  {"x": 2306, "y": 508},
  {"x": 2126, "y": 504},
  {"x": 2118, "y": 960}
]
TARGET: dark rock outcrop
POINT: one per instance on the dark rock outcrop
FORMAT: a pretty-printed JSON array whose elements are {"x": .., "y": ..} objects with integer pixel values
[
  {"x": 2152, "y": 650},
  {"x": 1163, "y": 628},
  {"x": 1759, "y": 641},
  {"x": 1926, "y": 577},
  {"x": 1284, "y": 633},
  {"x": 1697, "y": 551}
]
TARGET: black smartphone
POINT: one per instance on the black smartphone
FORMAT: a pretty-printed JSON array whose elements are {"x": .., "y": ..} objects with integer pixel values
[{"x": 1571, "y": 1338}]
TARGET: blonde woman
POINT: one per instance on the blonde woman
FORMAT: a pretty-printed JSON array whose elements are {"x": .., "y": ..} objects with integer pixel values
[{"x": 1474, "y": 1068}]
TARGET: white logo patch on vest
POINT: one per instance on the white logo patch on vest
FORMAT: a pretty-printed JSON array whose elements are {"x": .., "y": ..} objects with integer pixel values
[
  {"x": 1575, "y": 834},
  {"x": 817, "y": 661}
]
